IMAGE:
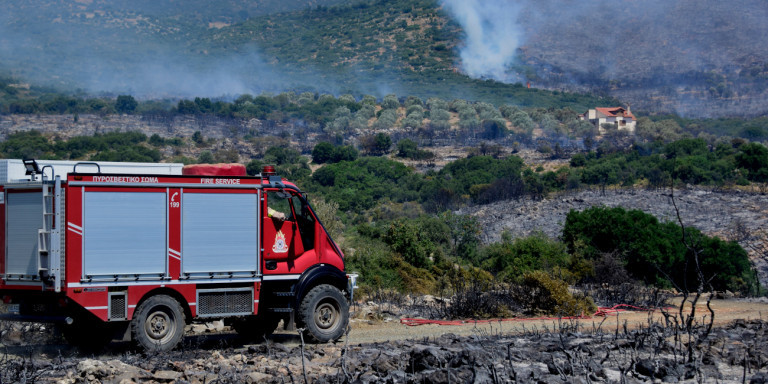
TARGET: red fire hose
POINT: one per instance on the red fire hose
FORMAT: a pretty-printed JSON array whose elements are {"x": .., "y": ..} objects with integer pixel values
[{"x": 601, "y": 312}]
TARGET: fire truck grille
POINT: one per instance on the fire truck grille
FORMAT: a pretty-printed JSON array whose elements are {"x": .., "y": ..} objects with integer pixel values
[
  {"x": 224, "y": 302},
  {"x": 117, "y": 307}
]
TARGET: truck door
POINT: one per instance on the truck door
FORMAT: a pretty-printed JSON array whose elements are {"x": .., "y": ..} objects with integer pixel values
[{"x": 281, "y": 235}]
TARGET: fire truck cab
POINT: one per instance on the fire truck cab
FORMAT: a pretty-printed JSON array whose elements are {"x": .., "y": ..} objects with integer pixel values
[{"x": 141, "y": 255}]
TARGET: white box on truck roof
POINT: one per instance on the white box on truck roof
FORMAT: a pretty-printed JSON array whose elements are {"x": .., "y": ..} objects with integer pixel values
[{"x": 12, "y": 170}]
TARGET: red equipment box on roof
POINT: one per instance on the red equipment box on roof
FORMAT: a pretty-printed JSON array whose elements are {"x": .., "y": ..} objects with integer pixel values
[{"x": 220, "y": 169}]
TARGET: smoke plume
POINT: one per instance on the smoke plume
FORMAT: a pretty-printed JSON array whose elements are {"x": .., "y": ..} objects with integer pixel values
[
  {"x": 492, "y": 36},
  {"x": 687, "y": 51}
]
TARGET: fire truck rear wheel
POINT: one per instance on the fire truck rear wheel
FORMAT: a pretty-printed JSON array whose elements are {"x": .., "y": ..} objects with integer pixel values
[
  {"x": 158, "y": 324},
  {"x": 324, "y": 313}
]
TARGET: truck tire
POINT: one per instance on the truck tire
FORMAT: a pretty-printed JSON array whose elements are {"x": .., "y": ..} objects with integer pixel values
[
  {"x": 324, "y": 313},
  {"x": 255, "y": 328},
  {"x": 158, "y": 324}
]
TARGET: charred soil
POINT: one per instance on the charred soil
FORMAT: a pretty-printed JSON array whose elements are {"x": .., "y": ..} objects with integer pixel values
[{"x": 624, "y": 347}]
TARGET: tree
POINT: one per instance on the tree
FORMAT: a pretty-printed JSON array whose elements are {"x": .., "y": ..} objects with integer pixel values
[
  {"x": 464, "y": 234},
  {"x": 322, "y": 152},
  {"x": 494, "y": 128},
  {"x": 206, "y": 158},
  {"x": 521, "y": 120},
  {"x": 386, "y": 120},
  {"x": 753, "y": 157},
  {"x": 187, "y": 107},
  {"x": 406, "y": 147},
  {"x": 549, "y": 125},
  {"x": 204, "y": 105},
  {"x": 376, "y": 145},
  {"x": 406, "y": 239},
  {"x": 390, "y": 102},
  {"x": 439, "y": 119},
  {"x": 126, "y": 104},
  {"x": 344, "y": 153},
  {"x": 282, "y": 156},
  {"x": 383, "y": 143},
  {"x": 198, "y": 138}
]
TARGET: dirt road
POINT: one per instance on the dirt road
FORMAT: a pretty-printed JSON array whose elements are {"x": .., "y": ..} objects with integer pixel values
[{"x": 390, "y": 329}]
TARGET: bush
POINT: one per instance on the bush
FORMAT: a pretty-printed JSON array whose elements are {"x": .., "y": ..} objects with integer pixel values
[
  {"x": 409, "y": 149},
  {"x": 406, "y": 238},
  {"x": 473, "y": 295},
  {"x": 376, "y": 145},
  {"x": 542, "y": 293},
  {"x": 328, "y": 153},
  {"x": 513, "y": 259},
  {"x": 653, "y": 252},
  {"x": 322, "y": 152},
  {"x": 753, "y": 157}
]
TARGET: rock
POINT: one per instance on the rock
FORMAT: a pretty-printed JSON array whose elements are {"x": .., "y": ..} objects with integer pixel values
[
  {"x": 259, "y": 349},
  {"x": 396, "y": 376},
  {"x": 257, "y": 377},
  {"x": 166, "y": 375},
  {"x": 611, "y": 375},
  {"x": 215, "y": 326},
  {"x": 759, "y": 378},
  {"x": 280, "y": 348},
  {"x": 368, "y": 377},
  {"x": 112, "y": 368},
  {"x": 559, "y": 369},
  {"x": 425, "y": 358},
  {"x": 646, "y": 367},
  {"x": 443, "y": 376}
]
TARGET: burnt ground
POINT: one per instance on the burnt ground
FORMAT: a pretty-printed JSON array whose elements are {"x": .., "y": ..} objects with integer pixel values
[{"x": 633, "y": 348}]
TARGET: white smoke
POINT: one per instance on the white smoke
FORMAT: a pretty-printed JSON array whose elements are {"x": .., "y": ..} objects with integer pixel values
[{"x": 492, "y": 36}]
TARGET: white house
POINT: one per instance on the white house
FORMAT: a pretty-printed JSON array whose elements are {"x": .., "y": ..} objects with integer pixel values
[{"x": 621, "y": 118}]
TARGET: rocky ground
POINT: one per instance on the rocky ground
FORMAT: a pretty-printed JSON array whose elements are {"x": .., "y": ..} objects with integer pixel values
[
  {"x": 568, "y": 354},
  {"x": 630, "y": 348}
]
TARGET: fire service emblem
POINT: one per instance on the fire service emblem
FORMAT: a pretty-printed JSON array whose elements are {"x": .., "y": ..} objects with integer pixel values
[{"x": 280, "y": 244}]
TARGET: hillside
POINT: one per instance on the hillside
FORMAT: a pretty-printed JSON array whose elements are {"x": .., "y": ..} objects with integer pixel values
[{"x": 690, "y": 58}]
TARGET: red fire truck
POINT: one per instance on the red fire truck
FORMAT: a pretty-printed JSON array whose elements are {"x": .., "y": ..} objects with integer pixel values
[{"x": 139, "y": 256}]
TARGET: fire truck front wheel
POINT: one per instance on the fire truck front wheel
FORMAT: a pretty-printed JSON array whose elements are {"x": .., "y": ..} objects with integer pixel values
[
  {"x": 158, "y": 324},
  {"x": 324, "y": 313}
]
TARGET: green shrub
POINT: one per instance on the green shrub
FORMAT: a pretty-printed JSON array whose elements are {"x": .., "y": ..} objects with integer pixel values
[
  {"x": 654, "y": 252},
  {"x": 406, "y": 238},
  {"x": 542, "y": 293},
  {"x": 511, "y": 259}
]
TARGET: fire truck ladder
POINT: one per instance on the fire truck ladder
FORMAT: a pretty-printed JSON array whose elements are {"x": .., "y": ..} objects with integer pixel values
[{"x": 49, "y": 237}]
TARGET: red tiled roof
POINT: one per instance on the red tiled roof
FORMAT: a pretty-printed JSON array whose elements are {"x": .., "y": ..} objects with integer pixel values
[{"x": 611, "y": 112}]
